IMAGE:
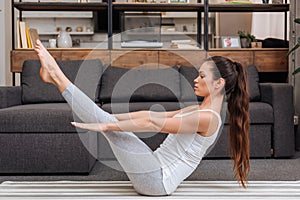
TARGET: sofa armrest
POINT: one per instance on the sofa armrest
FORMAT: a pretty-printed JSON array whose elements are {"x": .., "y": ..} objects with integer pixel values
[
  {"x": 280, "y": 97},
  {"x": 10, "y": 96}
]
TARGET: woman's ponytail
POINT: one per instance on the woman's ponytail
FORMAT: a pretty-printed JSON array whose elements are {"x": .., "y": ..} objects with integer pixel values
[
  {"x": 236, "y": 89},
  {"x": 238, "y": 107}
]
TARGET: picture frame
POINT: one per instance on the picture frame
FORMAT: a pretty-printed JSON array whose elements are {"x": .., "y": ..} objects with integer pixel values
[{"x": 230, "y": 42}]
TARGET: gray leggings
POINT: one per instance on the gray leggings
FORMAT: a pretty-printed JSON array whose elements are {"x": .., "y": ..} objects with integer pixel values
[{"x": 136, "y": 158}]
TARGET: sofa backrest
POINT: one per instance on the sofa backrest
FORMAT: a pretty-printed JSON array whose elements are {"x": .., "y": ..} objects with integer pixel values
[
  {"x": 139, "y": 85},
  {"x": 253, "y": 83},
  {"x": 118, "y": 84},
  {"x": 84, "y": 74}
]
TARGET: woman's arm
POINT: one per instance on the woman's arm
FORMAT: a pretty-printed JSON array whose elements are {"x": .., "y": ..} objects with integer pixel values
[
  {"x": 204, "y": 122},
  {"x": 147, "y": 113},
  {"x": 143, "y": 114}
]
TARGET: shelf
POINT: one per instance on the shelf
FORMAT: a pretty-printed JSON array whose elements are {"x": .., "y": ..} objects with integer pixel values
[
  {"x": 177, "y": 33},
  {"x": 184, "y": 7},
  {"x": 248, "y": 49},
  {"x": 67, "y": 6},
  {"x": 59, "y": 6},
  {"x": 71, "y": 33},
  {"x": 266, "y": 59},
  {"x": 182, "y": 15},
  {"x": 58, "y": 14},
  {"x": 200, "y": 7},
  {"x": 249, "y": 7}
]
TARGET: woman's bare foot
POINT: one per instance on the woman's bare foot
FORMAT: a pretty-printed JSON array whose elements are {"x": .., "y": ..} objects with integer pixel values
[
  {"x": 46, "y": 59},
  {"x": 50, "y": 71}
]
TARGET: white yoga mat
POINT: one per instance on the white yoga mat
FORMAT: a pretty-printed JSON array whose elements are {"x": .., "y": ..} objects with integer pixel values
[{"x": 123, "y": 190}]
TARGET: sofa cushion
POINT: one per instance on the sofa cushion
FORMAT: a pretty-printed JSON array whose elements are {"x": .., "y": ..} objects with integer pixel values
[
  {"x": 37, "y": 118},
  {"x": 137, "y": 106},
  {"x": 260, "y": 142},
  {"x": 259, "y": 113},
  {"x": 253, "y": 83},
  {"x": 85, "y": 74},
  {"x": 139, "y": 85}
]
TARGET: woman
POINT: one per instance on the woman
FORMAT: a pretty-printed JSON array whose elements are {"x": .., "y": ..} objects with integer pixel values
[{"x": 192, "y": 130}]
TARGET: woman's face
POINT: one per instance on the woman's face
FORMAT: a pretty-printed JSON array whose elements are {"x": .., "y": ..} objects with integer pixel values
[{"x": 204, "y": 83}]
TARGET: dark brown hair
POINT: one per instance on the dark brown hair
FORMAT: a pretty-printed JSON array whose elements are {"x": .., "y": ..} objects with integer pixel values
[{"x": 236, "y": 89}]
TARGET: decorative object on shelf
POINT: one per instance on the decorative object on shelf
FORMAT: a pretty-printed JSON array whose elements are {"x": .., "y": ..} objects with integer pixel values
[
  {"x": 256, "y": 44},
  {"x": 277, "y": 1},
  {"x": 52, "y": 43},
  {"x": 296, "y": 47},
  {"x": 79, "y": 29},
  {"x": 64, "y": 40},
  {"x": 265, "y": 1},
  {"x": 58, "y": 29},
  {"x": 230, "y": 42},
  {"x": 245, "y": 43},
  {"x": 246, "y": 39},
  {"x": 89, "y": 29},
  {"x": 69, "y": 29}
]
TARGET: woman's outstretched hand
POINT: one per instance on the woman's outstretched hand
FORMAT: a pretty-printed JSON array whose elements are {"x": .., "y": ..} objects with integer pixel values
[{"x": 97, "y": 127}]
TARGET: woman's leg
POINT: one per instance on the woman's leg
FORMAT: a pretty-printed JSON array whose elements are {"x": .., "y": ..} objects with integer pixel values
[{"x": 136, "y": 158}]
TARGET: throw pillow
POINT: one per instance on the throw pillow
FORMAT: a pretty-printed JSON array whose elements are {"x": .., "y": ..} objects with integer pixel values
[{"x": 84, "y": 74}]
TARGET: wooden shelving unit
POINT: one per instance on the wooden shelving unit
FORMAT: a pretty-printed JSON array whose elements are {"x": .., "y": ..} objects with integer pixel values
[{"x": 271, "y": 57}]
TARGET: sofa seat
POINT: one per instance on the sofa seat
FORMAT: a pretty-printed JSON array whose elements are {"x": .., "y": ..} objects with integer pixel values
[
  {"x": 37, "y": 118},
  {"x": 40, "y": 153},
  {"x": 44, "y": 129}
]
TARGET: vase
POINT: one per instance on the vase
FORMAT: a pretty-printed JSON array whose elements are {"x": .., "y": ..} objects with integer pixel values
[
  {"x": 245, "y": 43},
  {"x": 64, "y": 40}
]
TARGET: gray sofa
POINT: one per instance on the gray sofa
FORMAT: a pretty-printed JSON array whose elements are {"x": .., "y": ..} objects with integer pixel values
[{"x": 36, "y": 135}]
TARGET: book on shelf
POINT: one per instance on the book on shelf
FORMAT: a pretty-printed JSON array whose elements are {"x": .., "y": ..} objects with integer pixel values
[
  {"x": 23, "y": 35},
  {"x": 184, "y": 44},
  {"x": 18, "y": 36},
  {"x": 33, "y": 33},
  {"x": 26, "y": 37}
]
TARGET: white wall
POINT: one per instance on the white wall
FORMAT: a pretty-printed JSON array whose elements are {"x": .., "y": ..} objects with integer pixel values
[
  {"x": 268, "y": 24},
  {"x": 5, "y": 43}
]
